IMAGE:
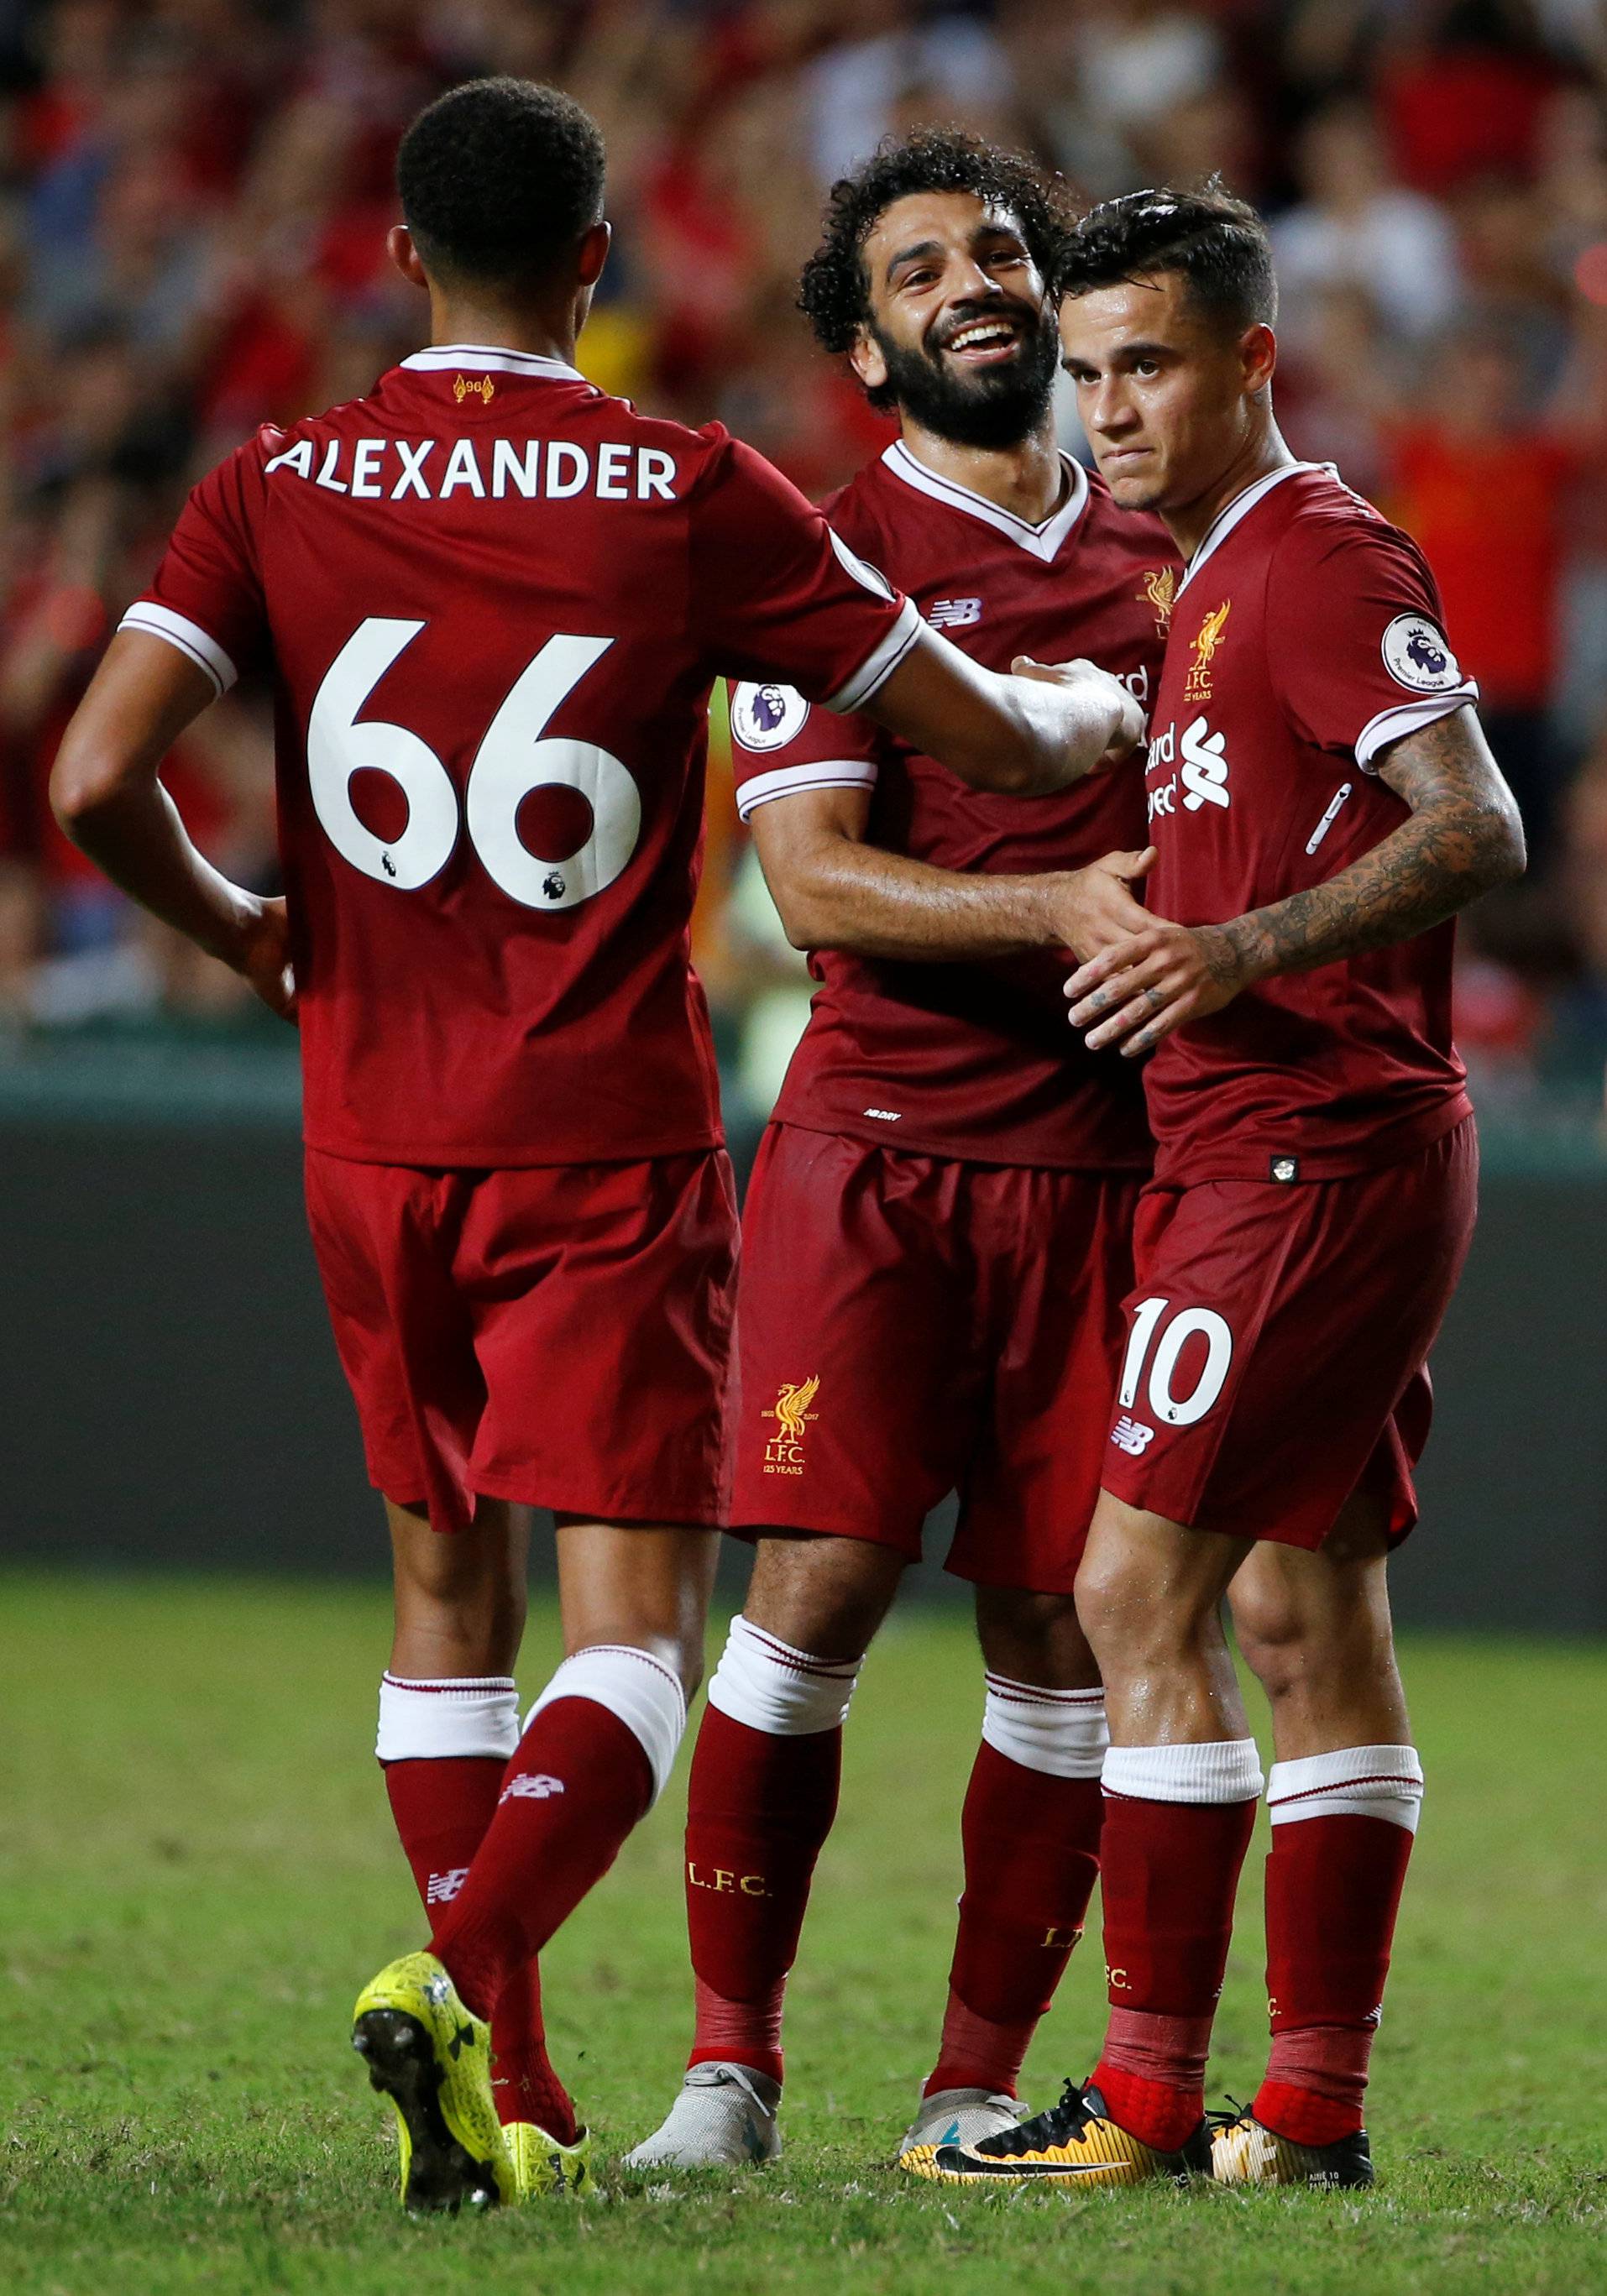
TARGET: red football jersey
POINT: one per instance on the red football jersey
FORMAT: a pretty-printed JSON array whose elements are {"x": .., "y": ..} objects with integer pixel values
[
  {"x": 493, "y": 601},
  {"x": 1306, "y": 637},
  {"x": 971, "y": 1060}
]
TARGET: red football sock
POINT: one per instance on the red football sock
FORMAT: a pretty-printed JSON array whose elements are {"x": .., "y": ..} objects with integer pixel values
[
  {"x": 1031, "y": 1844},
  {"x": 1333, "y": 1885},
  {"x": 522, "y": 2079},
  {"x": 758, "y": 1809},
  {"x": 1169, "y": 1870},
  {"x": 443, "y": 1744},
  {"x": 442, "y": 1808},
  {"x": 577, "y": 1784}
]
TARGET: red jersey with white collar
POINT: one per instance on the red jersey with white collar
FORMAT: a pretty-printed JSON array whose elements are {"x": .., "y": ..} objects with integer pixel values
[
  {"x": 493, "y": 600},
  {"x": 1305, "y": 639},
  {"x": 971, "y": 1060}
]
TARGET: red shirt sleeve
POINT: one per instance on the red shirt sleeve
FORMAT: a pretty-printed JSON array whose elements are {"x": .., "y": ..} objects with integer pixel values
[
  {"x": 780, "y": 746},
  {"x": 206, "y": 597},
  {"x": 776, "y": 595},
  {"x": 1357, "y": 652}
]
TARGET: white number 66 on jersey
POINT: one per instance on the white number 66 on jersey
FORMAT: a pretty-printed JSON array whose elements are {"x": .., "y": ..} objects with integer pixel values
[{"x": 513, "y": 758}]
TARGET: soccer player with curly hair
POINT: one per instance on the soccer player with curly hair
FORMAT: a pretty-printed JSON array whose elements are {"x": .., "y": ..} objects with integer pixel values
[{"x": 936, "y": 1239}]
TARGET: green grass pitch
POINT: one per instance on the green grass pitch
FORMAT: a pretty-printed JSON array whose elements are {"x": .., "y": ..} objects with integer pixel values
[{"x": 198, "y": 1873}]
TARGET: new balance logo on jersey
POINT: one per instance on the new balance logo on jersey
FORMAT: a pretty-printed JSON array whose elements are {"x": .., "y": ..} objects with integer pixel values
[
  {"x": 530, "y": 1786},
  {"x": 444, "y": 1887},
  {"x": 1132, "y": 1435},
  {"x": 954, "y": 613}
]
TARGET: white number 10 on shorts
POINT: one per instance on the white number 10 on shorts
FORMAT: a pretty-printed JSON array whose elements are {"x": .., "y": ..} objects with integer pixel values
[{"x": 1146, "y": 1342}]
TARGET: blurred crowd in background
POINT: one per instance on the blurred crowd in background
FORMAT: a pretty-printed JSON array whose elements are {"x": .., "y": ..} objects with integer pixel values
[{"x": 194, "y": 199}]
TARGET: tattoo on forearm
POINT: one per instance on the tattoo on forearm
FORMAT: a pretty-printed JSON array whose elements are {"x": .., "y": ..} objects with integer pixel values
[{"x": 1463, "y": 837}]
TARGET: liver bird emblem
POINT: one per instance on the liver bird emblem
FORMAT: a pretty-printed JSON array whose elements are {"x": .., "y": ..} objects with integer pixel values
[
  {"x": 792, "y": 1405},
  {"x": 1210, "y": 635},
  {"x": 1161, "y": 588}
]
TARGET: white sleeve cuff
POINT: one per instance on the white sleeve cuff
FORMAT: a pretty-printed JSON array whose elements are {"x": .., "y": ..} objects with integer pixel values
[
  {"x": 197, "y": 644},
  {"x": 790, "y": 780},
  {"x": 1408, "y": 717},
  {"x": 880, "y": 664}
]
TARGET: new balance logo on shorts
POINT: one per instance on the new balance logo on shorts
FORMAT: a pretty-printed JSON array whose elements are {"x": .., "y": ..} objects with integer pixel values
[
  {"x": 444, "y": 1887},
  {"x": 530, "y": 1786},
  {"x": 1132, "y": 1435}
]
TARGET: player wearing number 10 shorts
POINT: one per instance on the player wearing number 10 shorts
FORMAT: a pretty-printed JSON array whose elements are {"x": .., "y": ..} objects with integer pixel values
[
  {"x": 1322, "y": 802},
  {"x": 492, "y": 602}
]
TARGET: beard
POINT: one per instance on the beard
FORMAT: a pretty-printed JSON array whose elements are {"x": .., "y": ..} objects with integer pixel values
[{"x": 991, "y": 406}]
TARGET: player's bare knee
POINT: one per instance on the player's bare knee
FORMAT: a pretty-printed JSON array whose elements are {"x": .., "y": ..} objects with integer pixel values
[
  {"x": 460, "y": 1596},
  {"x": 1146, "y": 1603},
  {"x": 823, "y": 1594},
  {"x": 687, "y": 1663},
  {"x": 1033, "y": 1637},
  {"x": 682, "y": 1654},
  {"x": 1274, "y": 1635},
  {"x": 1317, "y": 1663}
]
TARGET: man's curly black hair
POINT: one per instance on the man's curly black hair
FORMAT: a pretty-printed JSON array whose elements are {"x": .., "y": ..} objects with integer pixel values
[
  {"x": 498, "y": 178},
  {"x": 833, "y": 292},
  {"x": 1219, "y": 244}
]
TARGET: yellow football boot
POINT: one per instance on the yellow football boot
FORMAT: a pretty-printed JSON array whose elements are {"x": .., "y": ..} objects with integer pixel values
[
  {"x": 545, "y": 2170},
  {"x": 1074, "y": 2143},
  {"x": 431, "y": 2057},
  {"x": 1244, "y": 2152}
]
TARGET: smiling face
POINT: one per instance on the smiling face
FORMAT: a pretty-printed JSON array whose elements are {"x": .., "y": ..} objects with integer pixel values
[
  {"x": 1168, "y": 396},
  {"x": 960, "y": 331}
]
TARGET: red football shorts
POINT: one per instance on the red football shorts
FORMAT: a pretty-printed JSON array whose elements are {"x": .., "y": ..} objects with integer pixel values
[
  {"x": 557, "y": 1334},
  {"x": 908, "y": 1325},
  {"x": 1277, "y": 1344}
]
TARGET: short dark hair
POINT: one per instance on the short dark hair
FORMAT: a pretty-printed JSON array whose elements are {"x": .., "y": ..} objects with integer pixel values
[
  {"x": 1218, "y": 242},
  {"x": 498, "y": 179},
  {"x": 834, "y": 291}
]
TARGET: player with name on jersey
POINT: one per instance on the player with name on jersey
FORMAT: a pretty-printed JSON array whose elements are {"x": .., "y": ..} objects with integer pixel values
[
  {"x": 492, "y": 602},
  {"x": 936, "y": 1238},
  {"x": 1322, "y": 802}
]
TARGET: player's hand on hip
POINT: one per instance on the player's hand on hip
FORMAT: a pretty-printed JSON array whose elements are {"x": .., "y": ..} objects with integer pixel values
[
  {"x": 1143, "y": 986},
  {"x": 1127, "y": 719},
  {"x": 1087, "y": 909},
  {"x": 263, "y": 955}
]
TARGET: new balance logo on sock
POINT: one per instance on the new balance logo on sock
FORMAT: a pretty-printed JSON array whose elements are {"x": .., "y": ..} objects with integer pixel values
[
  {"x": 530, "y": 1786},
  {"x": 444, "y": 1887}
]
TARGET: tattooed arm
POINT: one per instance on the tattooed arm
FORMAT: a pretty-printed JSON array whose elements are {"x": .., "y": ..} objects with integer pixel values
[{"x": 1464, "y": 836}]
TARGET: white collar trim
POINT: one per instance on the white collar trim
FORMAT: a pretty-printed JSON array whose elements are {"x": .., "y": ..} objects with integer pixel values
[
  {"x": 1240, "y": 507},
  {"x": 1042, "y": 541},
  {"x": 495, "y": 356}
]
